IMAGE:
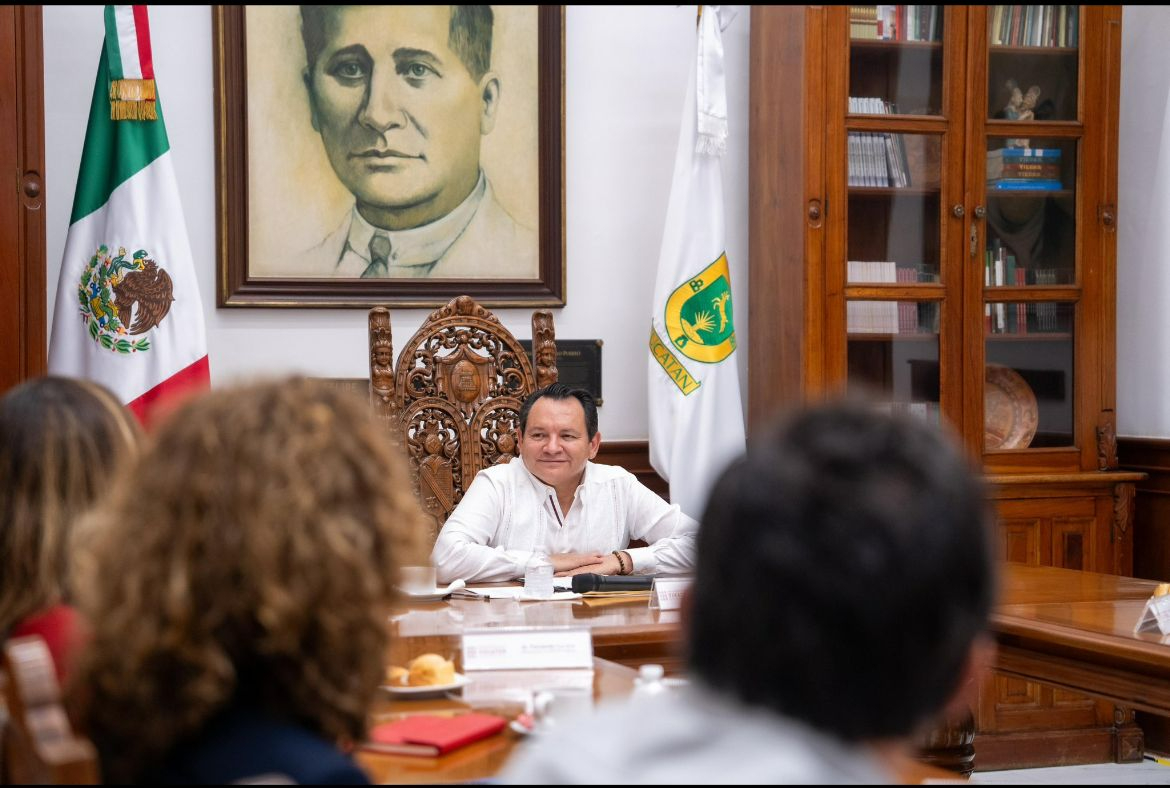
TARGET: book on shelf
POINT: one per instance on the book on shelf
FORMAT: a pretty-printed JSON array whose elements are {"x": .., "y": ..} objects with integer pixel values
[
  {"x": 1035, "y": 155},
  {"x": 428, "y": 734},
  {"x": 871, "y": 317},
  {"x": 1046, "y": 315},
  {"x": 1035, "y": 25},
  {"x": 876, "y": 158},
  {"x": 1025, "y": 184},
  {"x": 928, "y": 411},
  {"x": 1021, "y": 307},
  {"x": 1001, "y": 269},
  {"x": 863, "y": 22},
  {"x": 1023, "y": 168},
  {"x": 897, "y": 22},
  {"x": 907, "y": 310},
  {"x": 869, "y": 163}
]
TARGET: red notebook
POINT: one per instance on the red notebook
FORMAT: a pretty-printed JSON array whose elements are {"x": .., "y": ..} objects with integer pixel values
[{"x": 426, "y": 734}]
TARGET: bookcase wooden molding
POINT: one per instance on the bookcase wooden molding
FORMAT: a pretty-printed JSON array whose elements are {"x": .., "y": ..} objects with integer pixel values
[{"x": 933, "y": 197}]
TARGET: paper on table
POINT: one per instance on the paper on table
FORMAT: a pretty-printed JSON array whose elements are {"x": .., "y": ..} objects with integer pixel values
[
  {"x": 606, "y": 598},
  {"x": 513, "y": 592}
]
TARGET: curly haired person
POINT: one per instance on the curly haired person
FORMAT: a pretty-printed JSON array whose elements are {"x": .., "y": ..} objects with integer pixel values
[{"x": 238, "y": 583}]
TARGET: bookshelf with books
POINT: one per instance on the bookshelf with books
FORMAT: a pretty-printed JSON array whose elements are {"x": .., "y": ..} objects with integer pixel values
[
  {"x": 902, "y": 23},
  {"x": 941, "y": 209}
]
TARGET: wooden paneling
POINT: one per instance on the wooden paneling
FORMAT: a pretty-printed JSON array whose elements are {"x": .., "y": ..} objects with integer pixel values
[
  {"x": 1151, "y": 521},
  {"x": 1019, "y": 541},
  {"x": 22, "y": 203},
  {"x": 1049, "y": 532},
  {"x": 634, "y": 456},
  {"x": 1064, "y": 521}
]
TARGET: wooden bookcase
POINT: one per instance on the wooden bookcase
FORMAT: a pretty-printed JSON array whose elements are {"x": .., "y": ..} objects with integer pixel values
[{"x": 921, "y": 236}]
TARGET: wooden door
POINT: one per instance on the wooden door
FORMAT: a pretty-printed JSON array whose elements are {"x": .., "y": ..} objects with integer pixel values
[{"x": 22, "y": 204}]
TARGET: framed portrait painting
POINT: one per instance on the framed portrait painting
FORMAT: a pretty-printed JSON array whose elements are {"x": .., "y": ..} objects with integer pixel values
[{"x": 389, "y": 155}]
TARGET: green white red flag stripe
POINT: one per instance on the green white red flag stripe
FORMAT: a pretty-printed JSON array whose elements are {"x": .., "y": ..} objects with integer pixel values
[{"x": 128, "y": 42}]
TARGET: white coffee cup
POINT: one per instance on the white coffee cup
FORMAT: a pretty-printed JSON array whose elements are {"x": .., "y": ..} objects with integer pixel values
[{"x": 417, "y": 579}]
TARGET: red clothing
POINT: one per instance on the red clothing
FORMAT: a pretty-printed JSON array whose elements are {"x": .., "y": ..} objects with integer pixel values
[{"x": 59, "y": 625}]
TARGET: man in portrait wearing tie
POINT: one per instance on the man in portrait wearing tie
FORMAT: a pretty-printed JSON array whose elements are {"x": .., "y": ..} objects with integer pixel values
[{"x": 401, "y": 96}]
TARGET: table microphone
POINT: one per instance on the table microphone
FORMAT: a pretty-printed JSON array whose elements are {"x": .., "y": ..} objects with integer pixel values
[{"x": 591, "y": 582}]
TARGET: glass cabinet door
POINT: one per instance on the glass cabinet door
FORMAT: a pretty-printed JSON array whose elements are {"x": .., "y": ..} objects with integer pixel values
[
  {"x": 899, "y": 129},
  {"x": 1029, "y": 263}
]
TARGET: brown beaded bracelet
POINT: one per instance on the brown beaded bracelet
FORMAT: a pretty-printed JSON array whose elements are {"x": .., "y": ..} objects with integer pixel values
[{"x": 621, "y": 562}]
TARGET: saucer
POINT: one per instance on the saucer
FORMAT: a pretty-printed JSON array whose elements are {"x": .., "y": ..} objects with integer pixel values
[{"x": 460, "y": 682}]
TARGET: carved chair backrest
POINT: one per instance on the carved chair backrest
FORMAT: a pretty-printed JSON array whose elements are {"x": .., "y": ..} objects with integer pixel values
[
  {"x": 37, "y": 743},
  {"x": 454, "y": 397}
]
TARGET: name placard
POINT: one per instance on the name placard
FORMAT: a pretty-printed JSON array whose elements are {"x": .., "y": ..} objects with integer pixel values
[
  {"x": 526, "y": 648},
  {"x": 1156, "y": 614},
  {"x": 667, "y": 592},
  {"x": 522, "y": 685}
]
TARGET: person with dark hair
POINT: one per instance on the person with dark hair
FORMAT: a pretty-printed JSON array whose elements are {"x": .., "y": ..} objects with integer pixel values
[
  {"x": 63, "y": 442},
  {"x": 237, "y": 582},
  {"x": 557, "y": 503},
  {"x": 402, "y": 96},
  {"x": 844, "y": 581}
]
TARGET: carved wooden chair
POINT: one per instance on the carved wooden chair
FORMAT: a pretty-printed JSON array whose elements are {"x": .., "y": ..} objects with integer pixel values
[
  {"x": 37, "y": 743},
  {"x": 454, "y": 397}
]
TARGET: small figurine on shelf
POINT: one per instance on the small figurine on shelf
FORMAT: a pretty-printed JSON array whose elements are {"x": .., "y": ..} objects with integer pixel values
[{"x": 1020, "y": 106}]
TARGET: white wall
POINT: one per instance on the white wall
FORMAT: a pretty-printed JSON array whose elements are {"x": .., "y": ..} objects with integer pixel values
[
  {"x": 1143, "y": 225},
  {"x": 626, "y": 75}
]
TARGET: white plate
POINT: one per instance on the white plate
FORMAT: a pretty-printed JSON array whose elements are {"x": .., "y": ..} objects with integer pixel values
[
  {"x": 432, "y": 689},
  {"x": 425, "y": 596}
]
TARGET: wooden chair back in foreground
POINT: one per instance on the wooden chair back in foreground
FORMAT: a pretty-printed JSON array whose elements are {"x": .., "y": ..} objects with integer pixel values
[
  {"x": 37, "y": 743},
  {"x": 454, "y": 397}
]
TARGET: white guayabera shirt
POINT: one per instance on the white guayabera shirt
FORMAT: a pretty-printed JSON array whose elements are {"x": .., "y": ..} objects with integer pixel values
[
  {"x": 690, "y": 736},
  {"x": 508, "y": 514}
]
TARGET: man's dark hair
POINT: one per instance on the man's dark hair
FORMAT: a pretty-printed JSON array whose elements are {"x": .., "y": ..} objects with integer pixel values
[
  {"x": 469, "y": 35},
  {"x": 561, "y": 391},
  {"x": 844, "y": 569}
]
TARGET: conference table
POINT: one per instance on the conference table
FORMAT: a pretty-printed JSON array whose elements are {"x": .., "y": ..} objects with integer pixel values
[
  {"x": 482, "y": 759},
  {"x": 1075, "y": 630},
  {"x": 625, "y": 632},
  {"x": 1067, "y": 628}
]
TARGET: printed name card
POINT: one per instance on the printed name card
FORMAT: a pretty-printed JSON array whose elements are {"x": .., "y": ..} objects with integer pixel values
[
  {"x": 667, "y": 592},
  {"x": 516, "y": 648},
  {"x": 521, "y": 685},
  {"x": 1156, "y": 614}
]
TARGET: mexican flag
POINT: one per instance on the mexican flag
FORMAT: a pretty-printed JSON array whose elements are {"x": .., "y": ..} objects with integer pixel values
[
  {"x": 696, "y": 417},
  {"x": 128, "y": 311}
]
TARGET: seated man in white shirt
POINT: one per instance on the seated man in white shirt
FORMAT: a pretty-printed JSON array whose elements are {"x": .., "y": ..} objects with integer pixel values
[
  {"x": 843, "y": 582},
  {"x": 555, "y": 501}
]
